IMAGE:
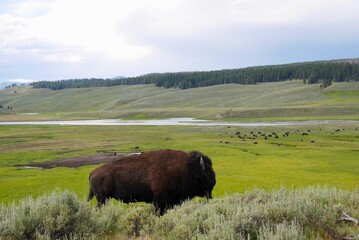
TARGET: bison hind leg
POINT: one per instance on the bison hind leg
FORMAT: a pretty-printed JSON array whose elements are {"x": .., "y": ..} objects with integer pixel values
[
  {"x": 91, "y": 195},
  {"x": 101, "y": 200}
]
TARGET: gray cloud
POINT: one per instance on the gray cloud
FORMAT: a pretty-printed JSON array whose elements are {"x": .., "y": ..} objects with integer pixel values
[{"x": 45, "y": 41}]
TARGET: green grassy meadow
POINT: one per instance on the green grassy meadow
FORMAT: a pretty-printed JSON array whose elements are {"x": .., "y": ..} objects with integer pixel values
[{"x": 325, "y": 156}]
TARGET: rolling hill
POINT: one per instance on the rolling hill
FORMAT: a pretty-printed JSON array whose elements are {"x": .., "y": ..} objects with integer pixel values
[{"x": 289, "y": 99}]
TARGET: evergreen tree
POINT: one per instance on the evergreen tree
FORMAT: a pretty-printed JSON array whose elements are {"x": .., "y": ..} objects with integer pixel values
[{"x": 311, "y": 72}]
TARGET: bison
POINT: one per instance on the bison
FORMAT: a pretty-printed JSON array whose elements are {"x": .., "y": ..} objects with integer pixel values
[{"x": 163, "y": 178}]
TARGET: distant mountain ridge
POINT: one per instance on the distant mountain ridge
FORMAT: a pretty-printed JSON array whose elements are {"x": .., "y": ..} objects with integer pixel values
[
  {"x": 341, "y": 70},
  {"x": 13, "y": 83}
]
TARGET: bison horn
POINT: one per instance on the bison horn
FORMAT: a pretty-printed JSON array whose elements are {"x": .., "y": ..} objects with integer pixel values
[{"x": 202, "y": 164}]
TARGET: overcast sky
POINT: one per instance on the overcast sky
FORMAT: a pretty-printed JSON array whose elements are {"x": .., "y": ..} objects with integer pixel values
[{"x": 62, "y": 39}]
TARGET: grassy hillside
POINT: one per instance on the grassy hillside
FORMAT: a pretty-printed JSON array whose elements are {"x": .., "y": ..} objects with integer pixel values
[{"x": 290, "y": 99}]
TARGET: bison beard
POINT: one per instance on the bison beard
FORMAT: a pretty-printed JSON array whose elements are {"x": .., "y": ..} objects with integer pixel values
[{"x": 164, "y": 178}]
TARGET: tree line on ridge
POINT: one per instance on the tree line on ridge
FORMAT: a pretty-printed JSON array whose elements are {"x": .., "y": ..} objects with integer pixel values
[{"x": 324, "y": 72}]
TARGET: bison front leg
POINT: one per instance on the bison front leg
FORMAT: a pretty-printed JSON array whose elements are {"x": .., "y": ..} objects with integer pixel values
[
  {"x": 160, "y": 204},
  {"x": 160, "y": 209}
]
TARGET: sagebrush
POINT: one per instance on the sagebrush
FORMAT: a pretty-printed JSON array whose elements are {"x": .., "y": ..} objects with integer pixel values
[{"x": 310, "y": 213}]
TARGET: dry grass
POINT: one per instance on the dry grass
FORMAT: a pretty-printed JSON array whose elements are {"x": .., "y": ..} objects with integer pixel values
[{"x": 268, "y": 100}]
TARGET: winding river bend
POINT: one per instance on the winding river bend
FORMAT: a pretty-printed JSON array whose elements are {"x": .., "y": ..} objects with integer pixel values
[{"x": 181, "y": 122}]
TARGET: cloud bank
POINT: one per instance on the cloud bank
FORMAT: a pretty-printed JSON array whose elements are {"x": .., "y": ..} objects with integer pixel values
[{"x": 58, "y": 39}]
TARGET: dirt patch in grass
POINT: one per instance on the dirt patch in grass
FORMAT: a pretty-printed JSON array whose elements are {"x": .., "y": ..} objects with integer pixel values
[{"x": 79, "y": 161}]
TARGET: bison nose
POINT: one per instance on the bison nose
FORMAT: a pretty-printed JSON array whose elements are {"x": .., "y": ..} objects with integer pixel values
[{"x": 208, "y": 195}]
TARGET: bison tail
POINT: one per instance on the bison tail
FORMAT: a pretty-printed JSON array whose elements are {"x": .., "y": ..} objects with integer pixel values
[{"x": 91, "y": 194}]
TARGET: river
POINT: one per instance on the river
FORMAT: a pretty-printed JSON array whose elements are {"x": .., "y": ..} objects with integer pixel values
[{"x": 181, "y": 122}]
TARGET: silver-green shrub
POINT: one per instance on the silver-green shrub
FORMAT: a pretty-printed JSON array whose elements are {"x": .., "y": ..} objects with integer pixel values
[
  {"x": 310, "y": 213},
  {"x": 282, "y": 231},
  {"x": 55, "y": 216}
]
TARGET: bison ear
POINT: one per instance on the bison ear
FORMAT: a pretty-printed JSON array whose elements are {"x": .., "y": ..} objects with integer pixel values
[{"x": 201, "y": 162}]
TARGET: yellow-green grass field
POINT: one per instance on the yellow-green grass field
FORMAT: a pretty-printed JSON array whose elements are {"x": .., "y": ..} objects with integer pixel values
[{"x": 328, "y": 155}]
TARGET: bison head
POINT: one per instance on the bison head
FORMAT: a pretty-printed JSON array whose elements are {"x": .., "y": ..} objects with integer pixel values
[{"x": 202, "y": 173}]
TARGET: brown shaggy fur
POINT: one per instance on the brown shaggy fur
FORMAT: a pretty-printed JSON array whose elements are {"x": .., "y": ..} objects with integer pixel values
[{"x": 164, "y": 178}]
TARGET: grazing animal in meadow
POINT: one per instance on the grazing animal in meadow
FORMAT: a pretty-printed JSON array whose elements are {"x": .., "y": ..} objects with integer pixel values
[{"x": 164, "y": 178}]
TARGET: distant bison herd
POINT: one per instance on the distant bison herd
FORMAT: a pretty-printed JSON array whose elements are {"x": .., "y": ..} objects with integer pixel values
[
  {"x": 255, "y": 136},
  {"x": 163, "y": 178}
]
